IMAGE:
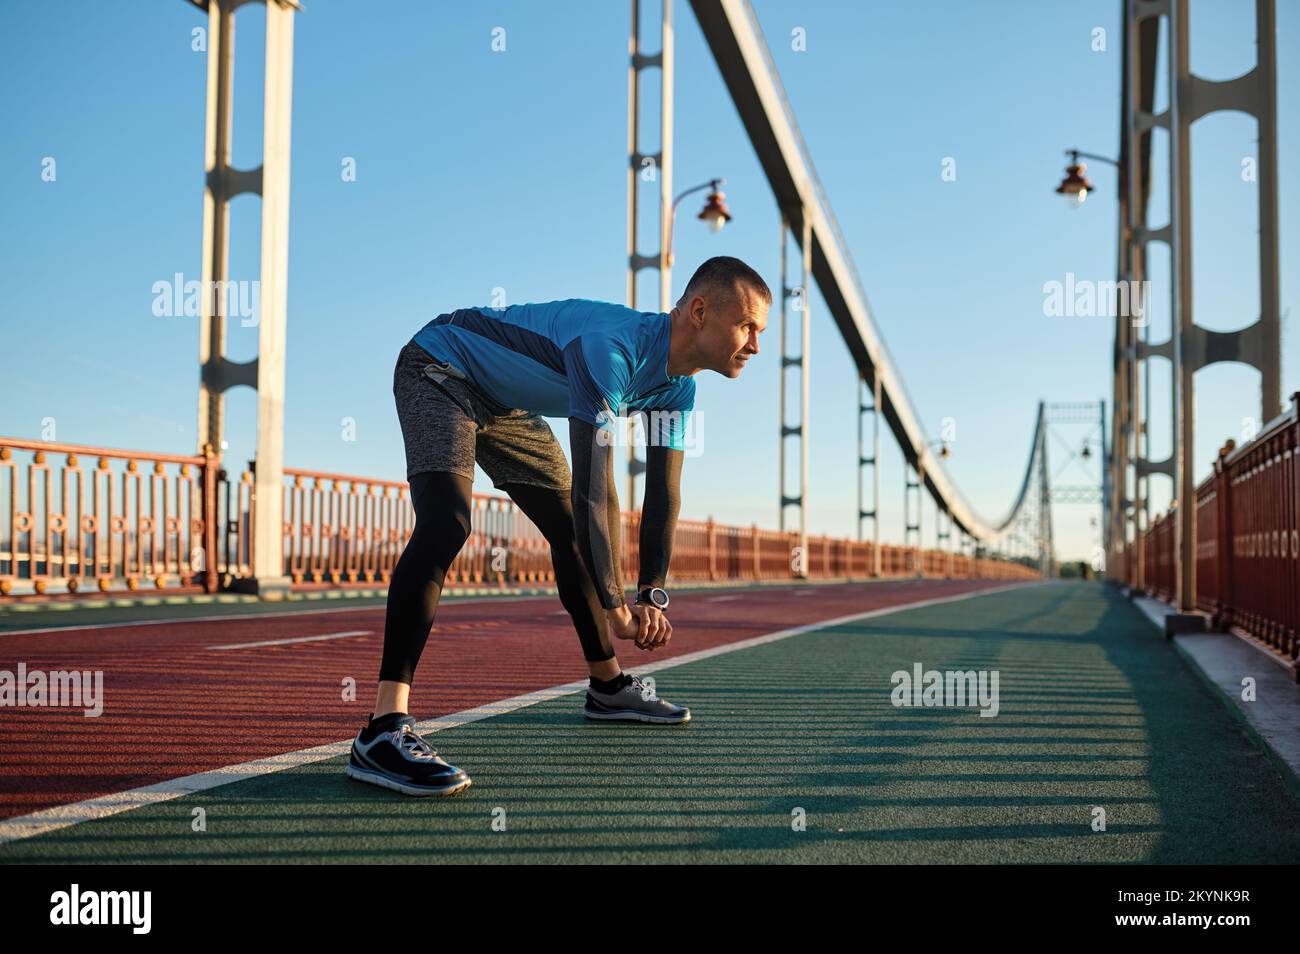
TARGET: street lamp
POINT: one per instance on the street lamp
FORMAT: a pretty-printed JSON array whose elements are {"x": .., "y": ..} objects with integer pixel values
[
  {"x": 1076, "y": 185},
  {"x": 715, "y": 213}
]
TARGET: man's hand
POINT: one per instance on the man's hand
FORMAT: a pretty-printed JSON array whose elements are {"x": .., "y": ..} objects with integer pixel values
[
  {"x": 645, "y": 624},
  {"x": 623, "y": 624},
  {"x": 655, "y": 629}
]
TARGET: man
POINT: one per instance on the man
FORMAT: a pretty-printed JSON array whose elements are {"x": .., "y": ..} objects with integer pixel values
[{"x": 473, "y": 385}]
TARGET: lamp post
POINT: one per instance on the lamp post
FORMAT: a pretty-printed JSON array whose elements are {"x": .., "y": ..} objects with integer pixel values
[
  {"x": 716, "y": 215},
  {"x": 715, "y": 212},
  {"x": 1127, "y": 407},
  {"x": 1076, "y": 185}
]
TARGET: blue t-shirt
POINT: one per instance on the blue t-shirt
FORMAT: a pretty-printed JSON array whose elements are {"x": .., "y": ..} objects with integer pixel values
[{"x": 592, "y": 360}]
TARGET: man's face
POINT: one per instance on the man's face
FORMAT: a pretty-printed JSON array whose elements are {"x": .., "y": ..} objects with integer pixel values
[{"x": 729, "y": 337}]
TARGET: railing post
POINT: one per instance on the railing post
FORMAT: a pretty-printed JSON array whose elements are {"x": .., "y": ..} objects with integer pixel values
[
  {"x": 1223, "y": 497},
  {"x": 514, "y": 545},
  {"x": 1291, "y": 567},
  {"x": 1293, "y": 493},
  {"x": 711, "y": 537},
  {"x": 211, "y": 464}
]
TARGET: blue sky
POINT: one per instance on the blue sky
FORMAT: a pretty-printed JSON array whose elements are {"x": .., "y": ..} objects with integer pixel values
[{"x": 478, "y": 170}]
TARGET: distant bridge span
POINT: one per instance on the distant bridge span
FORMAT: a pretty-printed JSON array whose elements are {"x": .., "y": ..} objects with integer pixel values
[{"x": 746, "y": 64}]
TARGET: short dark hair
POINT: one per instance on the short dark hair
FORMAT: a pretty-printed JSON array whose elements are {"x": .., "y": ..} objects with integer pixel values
[{"x": 721, "y": 274}]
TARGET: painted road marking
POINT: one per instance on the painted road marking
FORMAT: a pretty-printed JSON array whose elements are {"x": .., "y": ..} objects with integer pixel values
[
  {"x": 721, "y": 599},
  {"x": 104, "y": 806},
  {"x": 296, "y": 639}
]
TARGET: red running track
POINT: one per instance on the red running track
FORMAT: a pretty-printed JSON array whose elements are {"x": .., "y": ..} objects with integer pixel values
[{"x": 174, "y": 706}]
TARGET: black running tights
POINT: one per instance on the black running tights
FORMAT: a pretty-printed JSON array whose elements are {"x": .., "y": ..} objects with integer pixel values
[{"x": 442, "y": 524}]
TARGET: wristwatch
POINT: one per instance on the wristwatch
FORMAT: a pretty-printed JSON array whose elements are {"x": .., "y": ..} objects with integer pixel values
[{"x": 656, "y": 596}]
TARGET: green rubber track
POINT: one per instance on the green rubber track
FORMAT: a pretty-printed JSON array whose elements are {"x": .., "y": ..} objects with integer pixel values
[{"x": 1096, "y": 710}]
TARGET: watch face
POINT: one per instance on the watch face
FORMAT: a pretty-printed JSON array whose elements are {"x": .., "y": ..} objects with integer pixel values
[{"x": 655, "y": 596}]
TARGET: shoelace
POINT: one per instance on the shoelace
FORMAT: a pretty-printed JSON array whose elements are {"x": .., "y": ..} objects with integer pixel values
[
  {"x": 647, "y": 692},
  {"x": 411, "y": 744}
]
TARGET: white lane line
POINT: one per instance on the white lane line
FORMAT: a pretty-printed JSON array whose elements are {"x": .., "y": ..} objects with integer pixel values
[
  {"x": 721, "y": 599},
  {"x": 65, "y": 816},
  {"x": 296, "y": 639}
]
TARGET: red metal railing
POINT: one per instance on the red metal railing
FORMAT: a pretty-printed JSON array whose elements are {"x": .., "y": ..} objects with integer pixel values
[
  {"x": 1158, "y": 556},
  {"x": 129, "y": 519},
  {"x": 1247, "y": 538},
  {"x": 1209, "y": 587},
  {"x": 181, "y": 522}
]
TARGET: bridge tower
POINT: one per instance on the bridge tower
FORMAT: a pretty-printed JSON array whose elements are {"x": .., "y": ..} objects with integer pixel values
[
  {"x": 270, "y": 180},
  {"x": 1190, "y": 346}
]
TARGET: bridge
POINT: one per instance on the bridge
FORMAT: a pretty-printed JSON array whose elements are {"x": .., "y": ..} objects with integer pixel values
[{"x": 978, "y": 696}]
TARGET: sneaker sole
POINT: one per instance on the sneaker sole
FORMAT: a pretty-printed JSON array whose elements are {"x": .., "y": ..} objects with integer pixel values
[
  {"x": 383, "y": 781},
  {"x": 631, "y": 715}
]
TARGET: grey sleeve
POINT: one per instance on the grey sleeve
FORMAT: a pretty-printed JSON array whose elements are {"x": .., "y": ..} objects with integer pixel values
[
  {"x": 663, "y": 478},
  {"x": 596, "y": 515}
]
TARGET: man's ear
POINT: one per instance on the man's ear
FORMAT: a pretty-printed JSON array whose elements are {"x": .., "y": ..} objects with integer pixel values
[{"x": 698, "y": 314}]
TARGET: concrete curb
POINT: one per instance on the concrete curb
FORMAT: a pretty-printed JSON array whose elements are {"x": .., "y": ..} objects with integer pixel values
[{"x": 1220, "y": 660}]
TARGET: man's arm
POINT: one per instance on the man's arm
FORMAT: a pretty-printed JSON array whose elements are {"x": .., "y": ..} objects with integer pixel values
[
  {"x": 598, "y": 370},
  {"x": 596, "y": 516},
  {"x": 659, "y": 513}
]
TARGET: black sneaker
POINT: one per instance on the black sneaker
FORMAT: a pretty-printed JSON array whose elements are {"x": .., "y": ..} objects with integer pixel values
[
  {"x": 403, "y": 761},
  {"x": 634, "y": 702}
]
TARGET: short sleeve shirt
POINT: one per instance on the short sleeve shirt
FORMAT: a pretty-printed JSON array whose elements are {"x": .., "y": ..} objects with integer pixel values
[{"x": 591, "y": 360}]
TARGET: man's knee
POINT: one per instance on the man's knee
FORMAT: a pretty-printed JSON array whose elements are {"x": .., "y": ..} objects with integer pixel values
[
  {"x": 548, "y": 508},
  {"x": 566, "y": 557},
  {"x": 447, "y": 531},
  {"x": 442, "y": 513}
]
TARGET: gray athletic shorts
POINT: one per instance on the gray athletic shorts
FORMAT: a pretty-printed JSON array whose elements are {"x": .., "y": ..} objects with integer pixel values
[{"x": 447, "y": 425}]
